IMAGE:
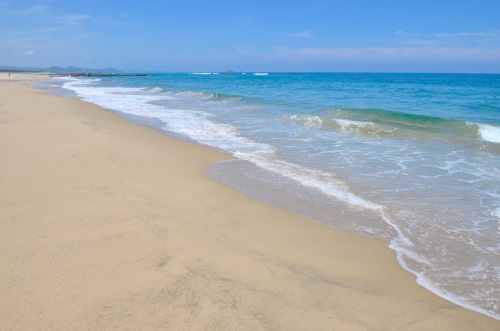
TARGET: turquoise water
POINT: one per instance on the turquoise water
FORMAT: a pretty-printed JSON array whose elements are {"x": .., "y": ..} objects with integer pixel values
[{"x": 413, "y": 159}]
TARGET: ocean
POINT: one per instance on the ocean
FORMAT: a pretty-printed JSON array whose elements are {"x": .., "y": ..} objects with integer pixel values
[{"x": 412, "y": 159}]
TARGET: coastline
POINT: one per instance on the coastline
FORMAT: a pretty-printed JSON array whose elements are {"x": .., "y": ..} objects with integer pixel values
[{"x": 107, "y": 223}]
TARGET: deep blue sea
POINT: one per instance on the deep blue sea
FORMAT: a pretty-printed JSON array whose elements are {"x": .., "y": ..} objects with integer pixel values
[{"x": 413, "y": 159}]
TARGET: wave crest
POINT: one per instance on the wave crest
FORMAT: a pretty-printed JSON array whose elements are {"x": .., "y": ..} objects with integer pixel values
[
  {"x": 385, "y": 124},
  {"x": 307, "y": 120},
  {"x": 489, "y": 133}
]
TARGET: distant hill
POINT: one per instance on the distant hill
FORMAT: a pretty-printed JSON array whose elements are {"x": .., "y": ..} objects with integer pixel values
[{"x": 70, "y": 69}]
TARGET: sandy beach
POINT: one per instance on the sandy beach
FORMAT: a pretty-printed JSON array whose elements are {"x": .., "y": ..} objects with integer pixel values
[{"x": 108, "y": 224}]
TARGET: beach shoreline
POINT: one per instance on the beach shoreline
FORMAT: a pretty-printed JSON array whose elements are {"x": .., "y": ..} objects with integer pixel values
[{"x": 112, "y": 224}]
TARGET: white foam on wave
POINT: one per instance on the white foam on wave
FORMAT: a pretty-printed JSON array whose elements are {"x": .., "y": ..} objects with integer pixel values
[
  {"x": 346, "y": 124},
  {"x": 366, "y": 128},
  {"x": 308, "y": 120},
  {"x": 423, "y": 267},
  {"x": 435, "y": 288},
  {"x": 489, "y": 133},
  {"x": 194, "y": 124},
  {"x": 328, "y": 184},
  {"x": 341, "y": 125},
  {"x": 127, "y": 100},
  {"x": 156, "y": 90},
  {"x": 197, "y": 126},
  {"x": 333, "y": 187},
  {"x": 325, "y": 182},
  {"x": 198, "y": 95}
]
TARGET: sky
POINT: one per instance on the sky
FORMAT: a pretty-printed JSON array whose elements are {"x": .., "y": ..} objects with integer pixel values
[{"x": 257, "y": 35}]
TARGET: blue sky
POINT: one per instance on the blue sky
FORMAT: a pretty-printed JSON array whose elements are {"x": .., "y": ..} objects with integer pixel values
[{"x": 267, "y": 35}]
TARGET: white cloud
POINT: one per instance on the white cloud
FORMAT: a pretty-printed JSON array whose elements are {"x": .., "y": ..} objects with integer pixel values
[{"x": 29, "y": 53}]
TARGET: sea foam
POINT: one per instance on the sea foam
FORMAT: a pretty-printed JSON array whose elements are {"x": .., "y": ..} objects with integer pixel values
[{"x": 489, "y": 133}]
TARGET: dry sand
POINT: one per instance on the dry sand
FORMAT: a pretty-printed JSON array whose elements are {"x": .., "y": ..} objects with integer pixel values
[{"x": 107, "y": 224}]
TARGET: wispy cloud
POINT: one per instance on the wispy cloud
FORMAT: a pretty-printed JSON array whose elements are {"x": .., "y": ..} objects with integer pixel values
[
  {"x": 303, "y": 34},
  {"x": 29, "y": 53},
  {"x": 447, "y": 38}
]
